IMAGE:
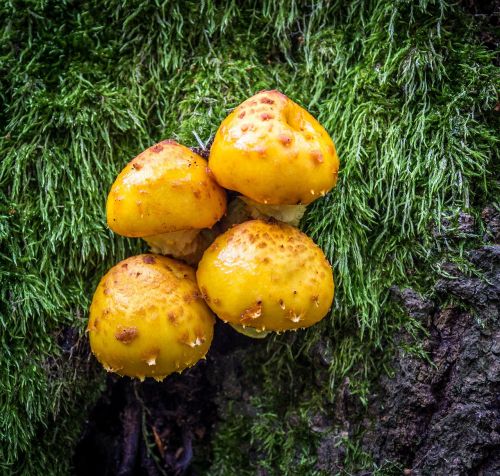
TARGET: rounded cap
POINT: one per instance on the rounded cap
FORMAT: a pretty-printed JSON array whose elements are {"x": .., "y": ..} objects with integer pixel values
[
  {"x": 148, "y": 319},
  {"x": 165, "y": 188},
  {"x": 273, "y": 151},
  {"x": 266, "y": 275}
]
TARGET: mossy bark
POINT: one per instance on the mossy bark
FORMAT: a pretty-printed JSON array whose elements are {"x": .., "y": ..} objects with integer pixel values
[{"x": 408, "y": 91}]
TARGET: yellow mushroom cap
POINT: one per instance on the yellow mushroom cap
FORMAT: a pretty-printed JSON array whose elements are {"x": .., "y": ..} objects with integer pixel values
[
  {"x": 165, "y": 188},
  {"x": 266, "y": 275},
  {"x": 273, "y": 151},
  {"x": 148, "y": 319}
]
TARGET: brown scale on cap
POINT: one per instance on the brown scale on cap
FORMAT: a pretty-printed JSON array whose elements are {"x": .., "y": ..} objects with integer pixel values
[
  {"x": 192, "y": 297},
  {"x": 204, "y": 294},
  {"x": 172, "y": 318},
  {"x": 151, "y": 356},
  {"x": 285, "y": 139},
  {"x": 192, "y": 341},
  {"x": 266, "y": 100},
  {"x": 251, "y": 313},
  {"x": 317, "y": 156},
  {"x": 127, "y": 334},
  {"x": 293, "y": 316},
  {"x": 95, "y": 325}
]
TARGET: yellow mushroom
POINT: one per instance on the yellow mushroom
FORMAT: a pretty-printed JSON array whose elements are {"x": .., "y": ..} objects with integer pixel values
[
  {"x": 266, "y": 276},
  {"x": 166, "y": 195},
  {"x": 276, "y": 155},
  {"x": 148, "y": 319}
]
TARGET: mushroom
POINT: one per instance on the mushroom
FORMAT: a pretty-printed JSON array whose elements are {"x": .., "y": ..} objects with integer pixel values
[
  {"x": 166, "y": 195},
  {"x": 266, "y": 276},
  {"x": 148, "y": 319},
  {"x": 276, "y": 155}
]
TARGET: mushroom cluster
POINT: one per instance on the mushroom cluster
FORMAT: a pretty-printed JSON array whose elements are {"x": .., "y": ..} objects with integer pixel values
[{"x": 153, "y": 314}]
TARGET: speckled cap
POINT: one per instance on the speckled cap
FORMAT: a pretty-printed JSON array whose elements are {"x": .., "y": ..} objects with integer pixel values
[
  {"x": 148, "y": 319},
  {"x": 273, "y": 151},
  {"x": 166, "y": 188},
  {"x": 266, "y": 275}
]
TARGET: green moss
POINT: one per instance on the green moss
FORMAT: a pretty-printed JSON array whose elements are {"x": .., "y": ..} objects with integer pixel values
[{"x": 403, "y": 87}]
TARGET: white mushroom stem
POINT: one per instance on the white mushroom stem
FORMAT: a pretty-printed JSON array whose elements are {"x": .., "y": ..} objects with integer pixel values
[
  {"x": 174, "y": 243},
  {"x": 237, "y": 212},
  {"x": 290, "y": 214},
  {"x": 188, "y": 245},
  {"x": 178, "y": 244}
]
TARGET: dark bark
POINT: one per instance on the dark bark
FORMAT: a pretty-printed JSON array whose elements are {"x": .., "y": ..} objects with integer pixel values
[{"x": 443, "y": 416}]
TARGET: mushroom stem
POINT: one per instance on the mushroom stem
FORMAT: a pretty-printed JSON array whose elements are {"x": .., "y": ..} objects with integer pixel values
[
  {"x": 250, "y": 331},
  {"x": 237, "y": 212},
  {"x": 290, "y": 214},
  {"x": 188, "y": 245}
]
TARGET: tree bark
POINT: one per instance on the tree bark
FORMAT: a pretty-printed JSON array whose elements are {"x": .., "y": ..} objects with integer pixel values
[{"x": 443, "y": 416}]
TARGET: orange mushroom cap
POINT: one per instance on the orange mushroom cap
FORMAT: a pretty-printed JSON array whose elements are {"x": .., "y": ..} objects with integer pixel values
[
  {"x": 273, "y": 151},
  {"x": 266, "y": 275},
  {"x": 148, "y": 319},
  {"x": 166, "y": 188}
]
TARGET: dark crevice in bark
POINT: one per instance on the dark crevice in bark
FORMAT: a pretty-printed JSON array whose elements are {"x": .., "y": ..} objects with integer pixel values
[{"x": 153, "y": 428}]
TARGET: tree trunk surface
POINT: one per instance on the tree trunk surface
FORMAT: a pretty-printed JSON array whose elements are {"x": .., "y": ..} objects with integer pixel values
[{"x": 443, "y": 416}]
